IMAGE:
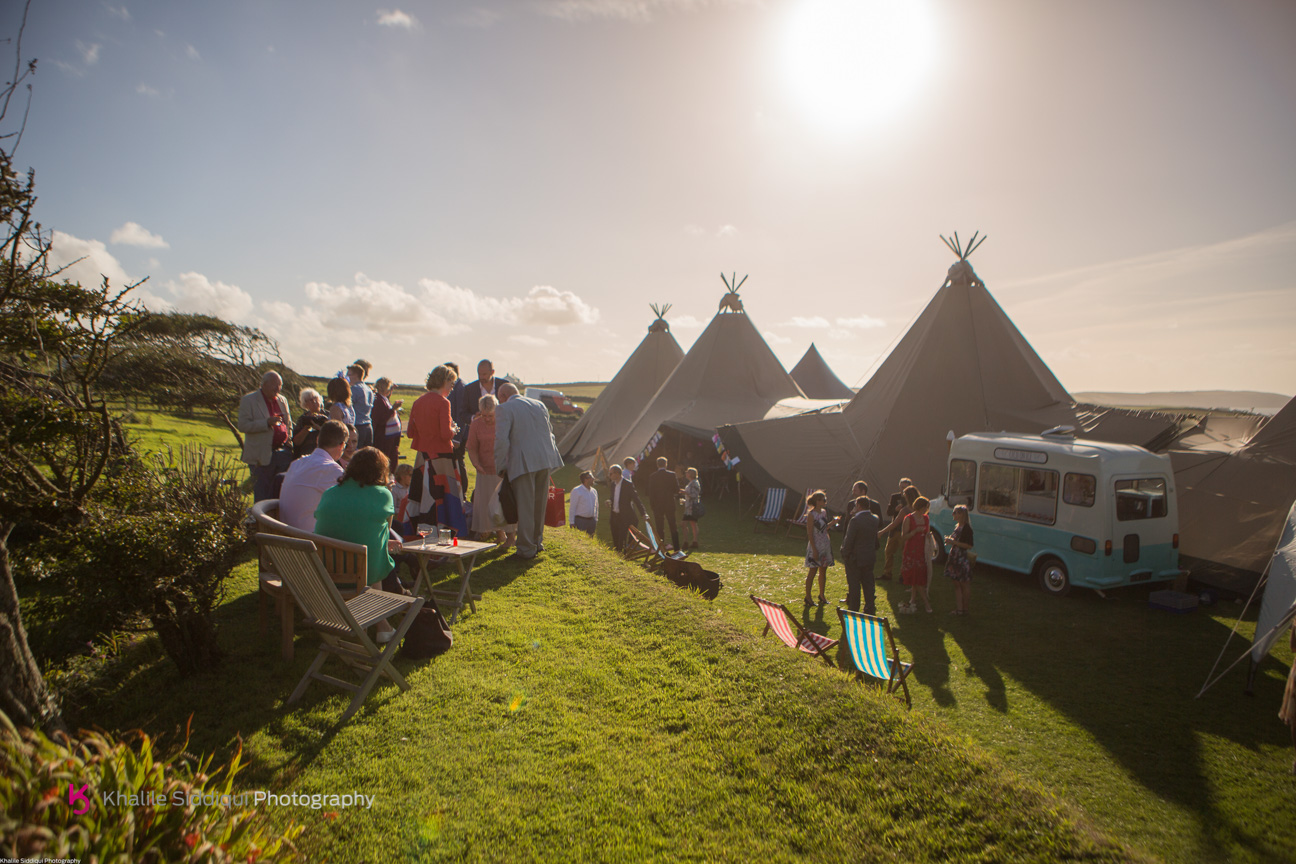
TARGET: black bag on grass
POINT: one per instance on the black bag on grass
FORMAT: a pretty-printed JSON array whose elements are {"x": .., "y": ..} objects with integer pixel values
[{"x": 429, "y": 635}]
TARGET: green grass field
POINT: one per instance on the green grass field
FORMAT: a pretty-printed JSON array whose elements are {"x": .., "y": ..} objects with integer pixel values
[{"x": 590, "y": 712}]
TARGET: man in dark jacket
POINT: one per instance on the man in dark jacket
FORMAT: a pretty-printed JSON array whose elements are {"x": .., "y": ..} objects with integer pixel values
[
  {"x": 623, "y": 502},
  {"x": 859, "y": 553},
  {"x": 663, "y": 496}
]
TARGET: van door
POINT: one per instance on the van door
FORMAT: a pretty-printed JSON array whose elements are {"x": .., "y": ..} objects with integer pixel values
[{"x": 1138, "y": 509}]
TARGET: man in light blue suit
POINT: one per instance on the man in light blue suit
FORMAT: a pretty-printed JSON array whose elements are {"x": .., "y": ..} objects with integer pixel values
[{"x": 525, "y": 452}]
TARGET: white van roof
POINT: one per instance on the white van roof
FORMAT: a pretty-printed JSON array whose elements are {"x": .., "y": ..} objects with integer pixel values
[{"x": 1118, "y": 457}]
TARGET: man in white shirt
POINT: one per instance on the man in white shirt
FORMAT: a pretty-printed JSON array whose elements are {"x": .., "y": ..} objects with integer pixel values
[
  {"x": 309, "y": 477},
  {"x": 626, "y": 506},
  {"x": 584, "y": 504}
]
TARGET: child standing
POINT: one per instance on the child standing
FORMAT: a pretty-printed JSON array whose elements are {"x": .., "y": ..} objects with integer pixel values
[
  {"x": 818, "y": 547},
  {"x": 692, "y": 506},
  {"x": 400, "y": 489}
]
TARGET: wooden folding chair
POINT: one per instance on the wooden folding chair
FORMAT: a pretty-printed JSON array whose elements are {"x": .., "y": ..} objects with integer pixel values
[
  {"x": 341, "y": 623},
  {"x": 803, "y": 512},
  {"x": 790, "y": 632},
  {"x": 772, "y": 513},
  {"x": 867, "y": 637},
  {"x": 637, "y": 546}
]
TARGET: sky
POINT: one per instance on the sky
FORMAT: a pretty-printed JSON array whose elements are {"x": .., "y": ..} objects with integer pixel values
[{"x": 519, "y": 179}]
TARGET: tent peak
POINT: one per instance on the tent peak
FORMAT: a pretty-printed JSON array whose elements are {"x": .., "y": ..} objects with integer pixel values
[
  {"x": 730, "y": 301},
  {"x": 659, "y": 325}
]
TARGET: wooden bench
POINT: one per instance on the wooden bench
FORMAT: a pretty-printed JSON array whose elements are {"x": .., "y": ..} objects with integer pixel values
[{"x": 347, "y": 564}]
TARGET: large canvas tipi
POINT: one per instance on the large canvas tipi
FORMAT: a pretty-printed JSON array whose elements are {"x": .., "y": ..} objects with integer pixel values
[
  {"x": 963, "y": 367},
  {"x": 621, "y": 402},
  {"x": 729, "y": 375},
  {"x": 816, "y": 379}
]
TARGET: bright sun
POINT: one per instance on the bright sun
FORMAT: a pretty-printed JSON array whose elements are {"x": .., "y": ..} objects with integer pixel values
[{"x": 852, "y": 63}]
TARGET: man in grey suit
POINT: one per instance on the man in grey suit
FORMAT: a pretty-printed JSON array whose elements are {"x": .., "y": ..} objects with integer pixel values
[
  {"x": 526, "y": 451},
  {"x": 859, "y": 553}
]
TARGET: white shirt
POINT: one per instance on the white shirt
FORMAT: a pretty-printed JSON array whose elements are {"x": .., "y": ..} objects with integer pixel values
[
  {"x": 616, "y": 496},
  {"x": 584, "y": 502},
  {"x": 306, "y": 480}
]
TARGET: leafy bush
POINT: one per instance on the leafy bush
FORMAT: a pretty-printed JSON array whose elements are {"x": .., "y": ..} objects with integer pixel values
[
  {"x": 38, "y": 820},
  {"x": 158, "y": 544}
]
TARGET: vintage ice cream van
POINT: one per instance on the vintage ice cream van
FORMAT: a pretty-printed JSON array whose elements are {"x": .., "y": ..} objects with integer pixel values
[{"x": 1072, "y": 512}]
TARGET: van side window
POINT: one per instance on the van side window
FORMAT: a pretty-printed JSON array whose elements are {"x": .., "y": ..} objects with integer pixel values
[
  {"x": 1079, "y": 489},
  {"x": 1028, "y": 494},
  {"x": 962, "y": 483},
  {"x": 1144, "y": 498}
]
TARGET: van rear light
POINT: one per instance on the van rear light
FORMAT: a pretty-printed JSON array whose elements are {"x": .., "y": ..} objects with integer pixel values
[
  {"x": 1107, "y": 547},
  {"x": 1175, "y": 541}
]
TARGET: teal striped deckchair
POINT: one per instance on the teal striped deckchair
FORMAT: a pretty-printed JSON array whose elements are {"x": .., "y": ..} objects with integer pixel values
[
  {"x": 772, "y": 513},
  {"x": 867, "y": 637}
]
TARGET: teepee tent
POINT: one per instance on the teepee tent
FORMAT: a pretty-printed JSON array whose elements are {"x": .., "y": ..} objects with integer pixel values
[
  {"x": 963, "y": 367},
  {"x": 816, "y": 379},
  {"x": 729, "y": 375},
  {"x": 621, "y": 402}
]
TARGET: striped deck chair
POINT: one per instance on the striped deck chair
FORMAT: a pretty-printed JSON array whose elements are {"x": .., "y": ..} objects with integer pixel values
[
  {"x": 772, "y": 513},
  {"x": 658, "y": 555},
  {"x": 803, "y": 510},
  {"x": 868, "y": 637},
  {"x": 341, "y": 623},
  {"x": 790, "y": 632}
]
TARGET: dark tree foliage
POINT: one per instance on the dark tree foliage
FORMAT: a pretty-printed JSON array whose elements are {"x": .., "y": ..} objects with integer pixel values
[{"x": 186, "y": 361}]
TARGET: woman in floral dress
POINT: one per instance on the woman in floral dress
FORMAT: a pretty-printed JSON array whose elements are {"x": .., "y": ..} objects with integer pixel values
[{"x": 818, "y": 547}]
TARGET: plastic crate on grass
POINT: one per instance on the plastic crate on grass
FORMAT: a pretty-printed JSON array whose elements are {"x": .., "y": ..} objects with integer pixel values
[{"x": 1172, "y": 601}]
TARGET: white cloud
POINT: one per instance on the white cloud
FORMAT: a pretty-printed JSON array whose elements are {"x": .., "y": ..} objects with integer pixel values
[
  {"x": 85, "y": 261},
  {"x": 375, "y": 307},
  {"x": 397, "y": 18},
  {"x": 862, "y": 322},
  {"x": 727, "y": 231},
  {"x": 146, "y": 90},
  {"x": 694, "y": 230},
  {"x": 118, "y": 12},
  {"x": 685, "y": 322},
  {"x": 543, "y": 304},
  {"x": 192, "y": 53},
  {"x": 775, "y": 339},
  {"x": 815, "y": 323},
  {"x": 135, "y": 234},
  {"x": 194, "y": 292},
  {"x": 530, "y": 341},
  {"x": 89, "y": 53},
  {"x": 152, "y": 264}
]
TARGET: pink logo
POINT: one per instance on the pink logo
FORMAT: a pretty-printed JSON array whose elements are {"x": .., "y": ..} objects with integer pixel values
[{"x": 74, "y": 794}]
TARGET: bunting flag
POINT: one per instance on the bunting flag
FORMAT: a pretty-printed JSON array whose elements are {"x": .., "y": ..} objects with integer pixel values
[{"x": 729, "y": 461}]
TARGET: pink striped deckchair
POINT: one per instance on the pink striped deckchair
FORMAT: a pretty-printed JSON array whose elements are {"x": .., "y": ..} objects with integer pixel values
[{"x": 790, "y": 632}]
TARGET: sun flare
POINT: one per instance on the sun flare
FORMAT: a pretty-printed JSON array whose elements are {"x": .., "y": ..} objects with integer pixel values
[{"x": 851, "y": 63}]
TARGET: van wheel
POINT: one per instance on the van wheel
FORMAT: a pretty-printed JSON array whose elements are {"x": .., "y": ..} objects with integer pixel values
[{"x": 1053, "y": 577}]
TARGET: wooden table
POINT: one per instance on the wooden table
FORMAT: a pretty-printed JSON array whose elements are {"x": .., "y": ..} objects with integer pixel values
[{"x": 464, "y": 555}]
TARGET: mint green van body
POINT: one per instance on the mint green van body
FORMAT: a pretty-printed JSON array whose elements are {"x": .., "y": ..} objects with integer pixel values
[{"x": 1071, "y": 512}]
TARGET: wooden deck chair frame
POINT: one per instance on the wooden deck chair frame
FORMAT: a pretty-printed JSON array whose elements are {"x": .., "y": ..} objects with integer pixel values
[
  {"x": 803, "y": 510},
  {"x": 342, "y": 624},
  {"x": 867, "y": 638},
  {"x": 790, "y": 632},
  {"x": 637, "y": 546},
  {"x": 772, "y": 510}
]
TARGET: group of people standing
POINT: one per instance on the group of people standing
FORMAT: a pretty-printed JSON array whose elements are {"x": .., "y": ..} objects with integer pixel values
[
  {"x": 665, "y": 487},
  {"x": 908, "y": 535}
]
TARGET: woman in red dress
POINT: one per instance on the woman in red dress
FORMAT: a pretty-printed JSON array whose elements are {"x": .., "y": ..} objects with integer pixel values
[{"x": 913, "y": 566}]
